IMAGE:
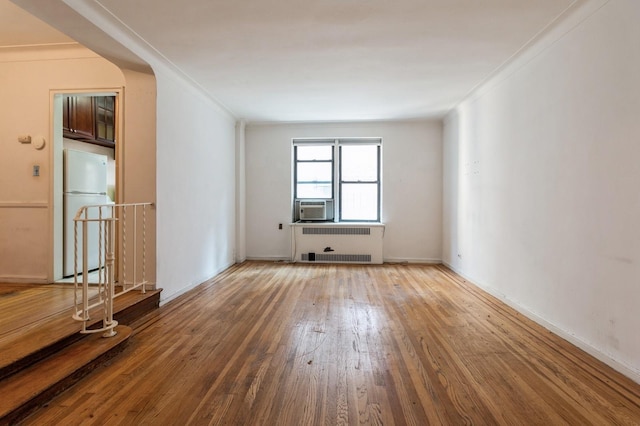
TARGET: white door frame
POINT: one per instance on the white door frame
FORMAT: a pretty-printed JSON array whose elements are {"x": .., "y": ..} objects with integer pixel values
[{"x": 55, "y": 165}]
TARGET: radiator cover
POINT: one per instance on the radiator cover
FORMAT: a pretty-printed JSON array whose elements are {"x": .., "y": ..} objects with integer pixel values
[
  {"x": 337, "y": 243},
  {"x": 350, "y": 258}
]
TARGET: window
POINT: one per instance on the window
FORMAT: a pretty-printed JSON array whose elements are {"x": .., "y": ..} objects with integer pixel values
[
  {"x": 359, "y": 182},
  {"x": 314, "y": 171},
  {"x": 355, "y": 194}
]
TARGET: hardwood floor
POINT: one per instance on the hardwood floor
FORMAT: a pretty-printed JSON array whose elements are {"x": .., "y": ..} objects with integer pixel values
[
  {"x": 295, "y": 344},
  {"x": 23, "y": 305}
]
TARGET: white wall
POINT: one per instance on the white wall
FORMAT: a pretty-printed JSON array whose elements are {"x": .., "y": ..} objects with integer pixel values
[
  {"x": 411, "y": 190},
  {"x": 541, "y": 175},
  {"x": 195, "y": 186},
  {"x": 180, "y": 153}
]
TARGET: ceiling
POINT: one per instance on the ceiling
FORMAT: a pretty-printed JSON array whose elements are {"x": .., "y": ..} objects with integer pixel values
[{"x": 320, "y": 60}]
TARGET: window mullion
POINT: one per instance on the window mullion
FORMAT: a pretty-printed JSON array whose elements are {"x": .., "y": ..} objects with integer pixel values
[{"x": 336, "y": 180}]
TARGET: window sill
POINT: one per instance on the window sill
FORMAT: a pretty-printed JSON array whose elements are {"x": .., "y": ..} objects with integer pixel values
[{"x": 329, "y": 223}]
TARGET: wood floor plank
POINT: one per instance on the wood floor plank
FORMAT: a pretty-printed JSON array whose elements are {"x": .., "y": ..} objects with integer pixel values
[{"x": 310, "y": 344}]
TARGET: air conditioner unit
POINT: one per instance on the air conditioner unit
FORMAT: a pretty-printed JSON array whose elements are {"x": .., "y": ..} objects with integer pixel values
[{"x": 313, "y": 210}]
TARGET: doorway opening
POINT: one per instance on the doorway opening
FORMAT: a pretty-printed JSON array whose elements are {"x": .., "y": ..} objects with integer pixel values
[{"x": 87, "y": 140}]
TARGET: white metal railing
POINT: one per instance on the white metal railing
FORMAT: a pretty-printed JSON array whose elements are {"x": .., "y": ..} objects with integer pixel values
[{"x": 118, "y": 232}]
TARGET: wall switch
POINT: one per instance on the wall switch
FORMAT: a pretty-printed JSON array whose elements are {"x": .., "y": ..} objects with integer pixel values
[{"x": 36, "y": 170}]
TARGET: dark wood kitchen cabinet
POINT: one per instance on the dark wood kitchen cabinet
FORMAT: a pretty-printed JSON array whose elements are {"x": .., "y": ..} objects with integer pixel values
[
  {"x": 89, "y": 119},
  {"x": 105, "y": 111},
  {"x": 79, "y": 118}
]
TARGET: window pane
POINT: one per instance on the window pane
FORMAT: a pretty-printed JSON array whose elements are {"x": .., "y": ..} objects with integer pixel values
[
  {"x": 359, "y": 163},
  {"x": 314, "y": 152},
  {"x": 313, "y": 190},
  {"x": 102, "y": 130},
  {"x": 314, "y": 172},
  {"x": 359, "y": 201}
]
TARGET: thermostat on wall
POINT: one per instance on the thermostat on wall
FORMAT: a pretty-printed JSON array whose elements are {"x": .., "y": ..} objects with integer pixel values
[{"x": 39, "y": 143}]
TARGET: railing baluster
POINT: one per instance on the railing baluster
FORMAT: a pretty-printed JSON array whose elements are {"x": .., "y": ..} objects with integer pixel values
[
  {"x": 144, "y": 248},
  {"x": 124, "y": 246},
  {"x": 85, "y": 279},
  {"x": 108, "y": 320},
  {"x": 135, "y": 242}
]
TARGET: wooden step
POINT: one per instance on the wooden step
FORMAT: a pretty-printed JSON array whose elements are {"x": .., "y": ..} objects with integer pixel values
[
  {"x": 48, "y": 355},
  {"x": 25, "y": 391},
  {"x": 27, "y": 346}
]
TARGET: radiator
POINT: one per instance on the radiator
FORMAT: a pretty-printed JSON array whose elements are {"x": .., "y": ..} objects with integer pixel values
[{"x": 337, "y": 243}]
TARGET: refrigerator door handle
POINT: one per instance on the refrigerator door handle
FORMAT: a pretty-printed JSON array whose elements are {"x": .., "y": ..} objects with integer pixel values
[{"x": 85, "y": 193}]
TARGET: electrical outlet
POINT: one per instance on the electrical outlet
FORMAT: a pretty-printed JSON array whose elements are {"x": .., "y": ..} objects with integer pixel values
[
  {"x": 279, "y": 226},
  {"x": 36, "y": 170}
]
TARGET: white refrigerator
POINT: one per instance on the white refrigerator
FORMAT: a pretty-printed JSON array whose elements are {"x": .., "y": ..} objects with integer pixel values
[{"x": 84, "y": 184}]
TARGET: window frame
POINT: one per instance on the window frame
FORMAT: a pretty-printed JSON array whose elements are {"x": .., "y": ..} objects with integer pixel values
[
  {"x": 295, "y": 170},
  {"x": 342, "y": 182},
  {"x": 336, "y": 175}
]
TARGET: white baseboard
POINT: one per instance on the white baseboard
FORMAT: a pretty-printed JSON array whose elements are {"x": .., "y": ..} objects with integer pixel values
[
  {"x": 413, "y": 260},
  {"x": 270, "y": 258},
  {"x": 628, "y": 371}
]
